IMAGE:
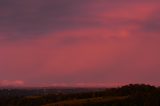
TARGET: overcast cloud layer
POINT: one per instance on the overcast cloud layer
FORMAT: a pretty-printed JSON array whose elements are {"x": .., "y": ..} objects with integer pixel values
[{"x": 79, "y": 42}]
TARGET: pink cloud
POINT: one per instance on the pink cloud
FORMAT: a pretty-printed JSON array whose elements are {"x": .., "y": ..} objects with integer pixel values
[{"x": 49, "y": 56}]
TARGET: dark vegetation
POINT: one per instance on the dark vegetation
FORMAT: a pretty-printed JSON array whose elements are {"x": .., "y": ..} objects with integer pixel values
[{"x": 129, "y": 95}]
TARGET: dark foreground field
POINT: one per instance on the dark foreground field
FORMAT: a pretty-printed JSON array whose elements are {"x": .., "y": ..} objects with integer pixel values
[{"x": 129, "y": 95}]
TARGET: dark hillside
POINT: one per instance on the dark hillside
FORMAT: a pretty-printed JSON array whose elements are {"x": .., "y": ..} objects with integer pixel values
[{"x": 129, "y": 95}]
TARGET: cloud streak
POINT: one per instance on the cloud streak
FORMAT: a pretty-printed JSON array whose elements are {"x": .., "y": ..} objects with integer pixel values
[{"x": 11, "y": 83}]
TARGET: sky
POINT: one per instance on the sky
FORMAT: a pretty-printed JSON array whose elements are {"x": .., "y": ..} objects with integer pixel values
[{"x": 79, "y": 42}]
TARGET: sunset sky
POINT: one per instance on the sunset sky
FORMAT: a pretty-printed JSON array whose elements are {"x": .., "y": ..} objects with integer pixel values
[{"x": 79, "y": 42}]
